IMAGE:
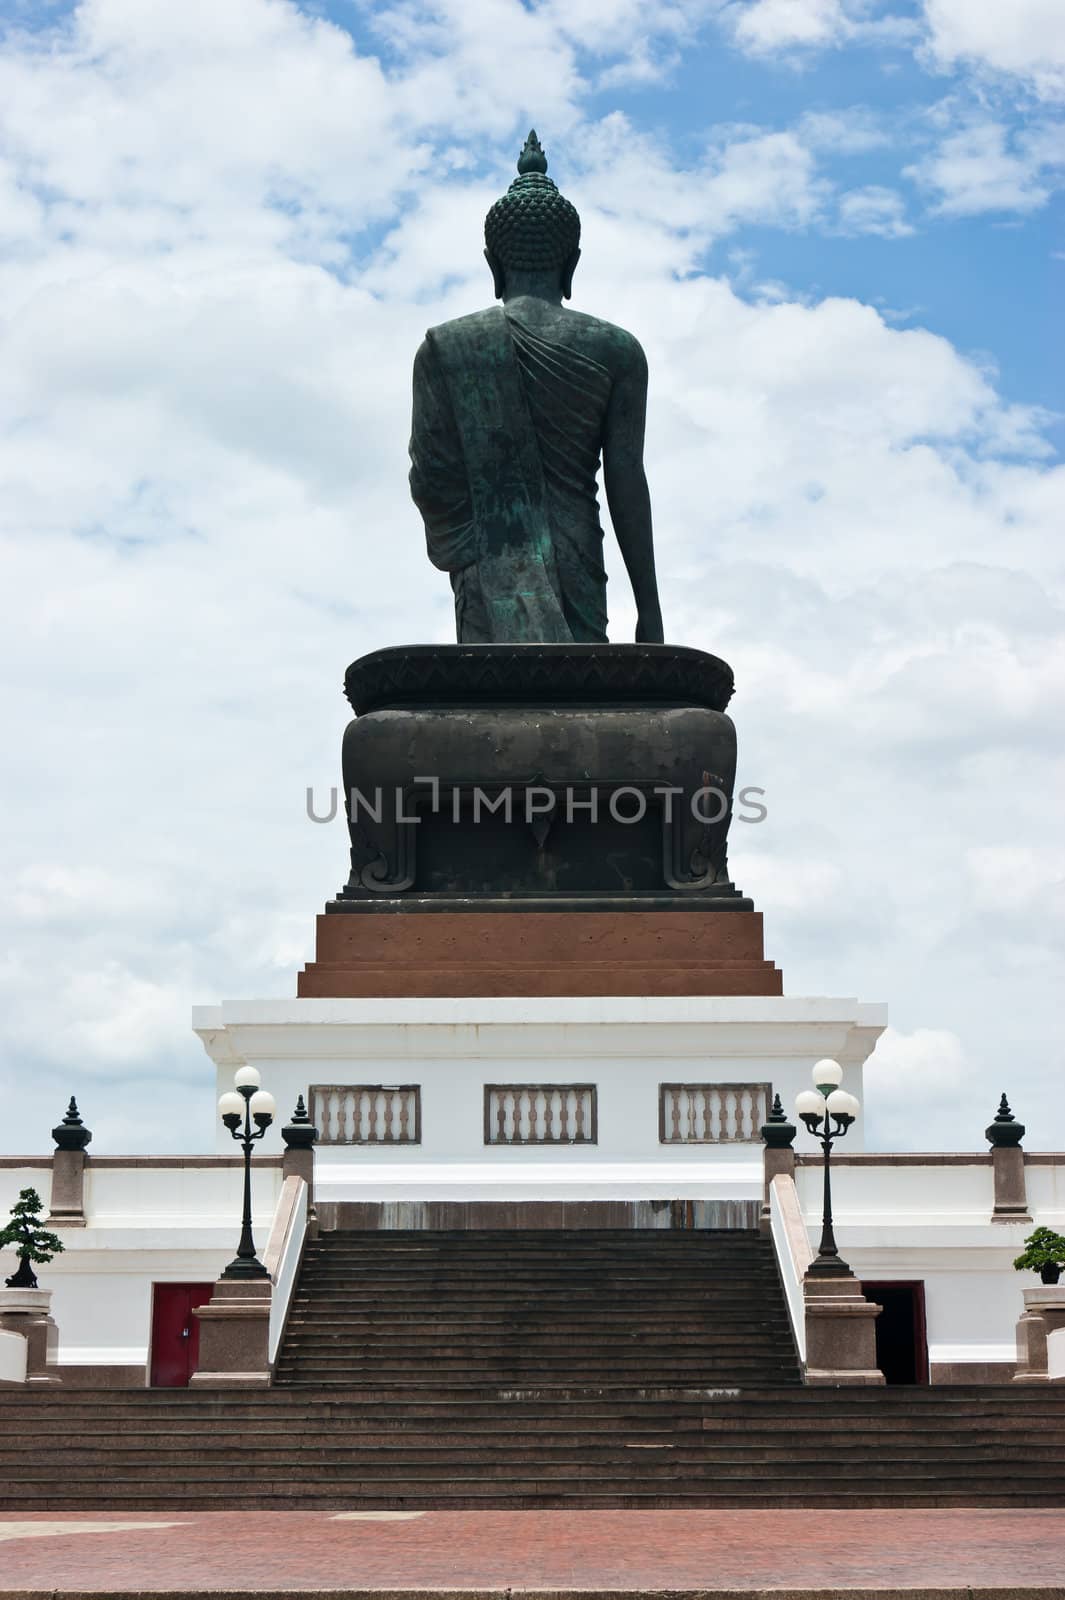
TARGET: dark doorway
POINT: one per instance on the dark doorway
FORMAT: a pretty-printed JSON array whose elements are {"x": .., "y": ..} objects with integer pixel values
[
  {"x": 176, "y": 1332},
  {"x": 901, "y": 1342}
]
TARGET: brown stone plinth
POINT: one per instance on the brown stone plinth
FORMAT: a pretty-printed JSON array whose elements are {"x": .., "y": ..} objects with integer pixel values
[
  {"x": 1011, "y": 1195},
  {"x": 540, "y": 953},
  {"x": 26, "y": 1311},
  {"x": 234, "y": 1336},
  {"x": 840, "y": 1332},
  {"x": 1044, "y": 1314}
]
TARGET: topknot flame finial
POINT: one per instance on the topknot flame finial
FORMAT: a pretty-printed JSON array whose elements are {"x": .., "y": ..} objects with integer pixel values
[{"x": 532, "y": 158}]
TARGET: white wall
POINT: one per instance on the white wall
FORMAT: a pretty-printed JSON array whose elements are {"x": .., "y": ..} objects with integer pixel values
[
  {"x": 1046, "y": 1193},
  {"x": 183, "y": 1192},
  {"x": 928, "y": 1219},
  {"x": 910, "y": 1191},
  {"x": 102, "y": 1298},
  {"x": 16, "y": 1174},
  {"x": 452, "y": 1048},
  {"x": 148, "y": 1220}
]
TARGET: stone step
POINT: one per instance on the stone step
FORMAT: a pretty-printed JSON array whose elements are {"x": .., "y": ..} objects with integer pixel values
[
  {"x": 459, "y": 1432},
  {"x": 510, "y": 1481},
  {"x": 659, "y": 1242},
  {"x": 848, "y": 1407},
  {"x": 193, "y": 1455},
  {"x": 316, "y": 1336},
  {"x": 632, "y": 1365},
  {"x": 532, "y": 1325},
  {"x": 618, "y": 1497}
]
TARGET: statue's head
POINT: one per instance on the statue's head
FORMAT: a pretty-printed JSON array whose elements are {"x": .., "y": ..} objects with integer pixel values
[{"x": 532, "y": 228}]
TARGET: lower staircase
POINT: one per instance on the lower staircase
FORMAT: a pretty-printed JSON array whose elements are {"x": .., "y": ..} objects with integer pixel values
[{"x": 533, "y": 1370}]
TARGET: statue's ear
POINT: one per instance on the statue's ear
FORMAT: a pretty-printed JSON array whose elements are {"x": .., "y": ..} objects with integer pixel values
[
  {"x": 495, "y": 266},
  {"x": 567, "y": 275}
]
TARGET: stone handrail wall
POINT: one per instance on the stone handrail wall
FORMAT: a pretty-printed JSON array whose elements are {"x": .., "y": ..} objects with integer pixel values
[
  {"x": 283, "y": 1253},
  {"x": 1056, "y": 1356},
  {"x": 794, "y": 1255},
  {"x": 12, "y": 1358}
]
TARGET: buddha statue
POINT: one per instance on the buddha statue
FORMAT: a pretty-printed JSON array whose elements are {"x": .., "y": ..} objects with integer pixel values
[{"x": 514, "y": 407}]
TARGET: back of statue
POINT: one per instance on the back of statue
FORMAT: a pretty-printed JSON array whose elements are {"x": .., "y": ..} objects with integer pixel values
[{"x": 513, "y": 409}]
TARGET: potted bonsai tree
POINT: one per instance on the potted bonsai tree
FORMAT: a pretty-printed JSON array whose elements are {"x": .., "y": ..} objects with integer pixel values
[
  {"x": 33, "y": 1245},
  {"x": 1044, "y": 1252}
]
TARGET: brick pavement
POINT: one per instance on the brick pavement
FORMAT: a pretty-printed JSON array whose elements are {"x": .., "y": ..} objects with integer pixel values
[{"x": 974, "y": 1554}]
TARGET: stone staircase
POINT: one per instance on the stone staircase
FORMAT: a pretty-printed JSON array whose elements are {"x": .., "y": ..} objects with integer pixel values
[
  {"x": 511, "y": 1310},
  {"x": 589, "y": 1369}
]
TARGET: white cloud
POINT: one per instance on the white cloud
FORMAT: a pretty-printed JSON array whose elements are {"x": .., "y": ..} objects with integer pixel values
[
  {"x": 1023, "y": 38},
  {"x": 874, "y": 209},
  {"x": 793, "y": 27},
  {"x": 768, "y": 25},
  {"x": 852, "y": 131},
  {"x": 1018, "y": 880},
  {"x": 913, "y": 1078},
  {"x": 984, "y": 166}
]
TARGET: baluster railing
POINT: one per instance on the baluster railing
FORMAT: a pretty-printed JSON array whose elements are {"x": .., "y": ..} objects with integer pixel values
[
  {"x": 712, "y": 1113},
  {"x": 367, "y": 1113},
  {"x": 540, "y": 1113}
]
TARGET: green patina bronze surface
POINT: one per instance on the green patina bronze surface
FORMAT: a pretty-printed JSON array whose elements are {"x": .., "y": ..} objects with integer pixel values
[{"x": 513, "y": 409}]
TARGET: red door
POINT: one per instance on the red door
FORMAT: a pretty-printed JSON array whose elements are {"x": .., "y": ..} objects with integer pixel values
[{"x": 176, "y": 1332}]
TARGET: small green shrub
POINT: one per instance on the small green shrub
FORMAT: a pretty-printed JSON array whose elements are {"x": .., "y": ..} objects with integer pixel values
[
  {"x": 31, "y": 1243},
  {"x": 1042, "y": 1248}
]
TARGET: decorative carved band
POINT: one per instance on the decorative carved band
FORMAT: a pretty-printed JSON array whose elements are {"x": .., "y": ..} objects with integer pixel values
[{"x": 537, "y": 674}]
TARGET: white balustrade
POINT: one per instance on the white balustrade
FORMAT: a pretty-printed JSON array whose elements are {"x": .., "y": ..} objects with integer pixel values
[
  {"x": 540, "y": 1113},
  {"x": 365, "y": 1113},
  {"x": 711, "y": 1113}
]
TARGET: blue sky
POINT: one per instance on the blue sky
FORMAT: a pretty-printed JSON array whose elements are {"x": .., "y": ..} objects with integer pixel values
[
  {"x": 992, "y": 283},
  {"x": 835, "y": 227}
]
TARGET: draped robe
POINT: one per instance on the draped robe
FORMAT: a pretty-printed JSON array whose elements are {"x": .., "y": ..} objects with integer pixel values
[{"x": 505, "y": 443}]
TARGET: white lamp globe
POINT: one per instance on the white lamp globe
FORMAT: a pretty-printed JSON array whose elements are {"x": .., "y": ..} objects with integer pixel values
[
  {"x": 842, "y": 1104},
  {"x": 810, "y": 1104},
  {"x": 247, "y": 1078},
  {"x": 262, "y": 1104},
  {"x": 230, "y": 1104},
  {"x": 827, "y": 1074}
]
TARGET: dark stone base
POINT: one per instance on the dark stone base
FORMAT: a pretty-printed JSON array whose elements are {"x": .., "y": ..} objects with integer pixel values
[
  {"x": 718, "y": 897},
  {"x": 571, "y": 777}
]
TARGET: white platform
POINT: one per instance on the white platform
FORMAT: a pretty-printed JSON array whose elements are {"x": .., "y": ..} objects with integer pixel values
[{"x": 627, "y": 1047}]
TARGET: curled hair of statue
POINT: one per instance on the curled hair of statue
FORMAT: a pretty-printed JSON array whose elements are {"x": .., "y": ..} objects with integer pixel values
[{"x": 532, "y": 228}]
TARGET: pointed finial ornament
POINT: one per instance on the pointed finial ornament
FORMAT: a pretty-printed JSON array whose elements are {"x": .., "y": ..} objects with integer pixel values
[
  {"x": 71, "y": 1134},
  {"x": 532, "y": 158},
  {"x": 1005, "y": 1130},
  {"x": 300, "y": 1133},
  {"x": 777, "y": 1132}
]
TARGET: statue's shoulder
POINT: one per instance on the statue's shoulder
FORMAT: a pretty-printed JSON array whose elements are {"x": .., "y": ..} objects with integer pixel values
[
  {"x": 614, "y": 348},
  {"x": 469, "y": 326}
]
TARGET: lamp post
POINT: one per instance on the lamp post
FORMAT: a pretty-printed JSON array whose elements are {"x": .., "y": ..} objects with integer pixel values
[
  {"x": 828, "y": 1111},
  {"x": 240, "y": 1107}
]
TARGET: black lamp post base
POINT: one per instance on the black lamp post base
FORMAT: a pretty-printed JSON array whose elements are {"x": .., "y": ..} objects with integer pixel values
[
  {"x": 829, "y": 1267},
  {"x": 246, "y": 1267}
]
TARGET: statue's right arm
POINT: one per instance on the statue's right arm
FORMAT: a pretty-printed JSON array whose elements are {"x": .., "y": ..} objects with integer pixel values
[
  {"x": 626, "y": 486},
  {"x": 438, "y": 483}
]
